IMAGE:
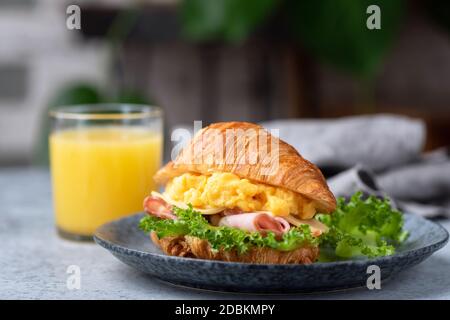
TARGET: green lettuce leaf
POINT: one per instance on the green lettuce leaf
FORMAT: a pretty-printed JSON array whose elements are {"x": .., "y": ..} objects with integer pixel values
[
  {"x": 361, "y": 227},
  {"x": 191, "y": 222}
]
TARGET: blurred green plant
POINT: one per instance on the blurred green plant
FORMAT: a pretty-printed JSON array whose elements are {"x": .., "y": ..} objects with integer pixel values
[
  {"x": 76, "y": 93},
  {"x": 232, "y": 20},
  {"x": 334, "y": 31}
]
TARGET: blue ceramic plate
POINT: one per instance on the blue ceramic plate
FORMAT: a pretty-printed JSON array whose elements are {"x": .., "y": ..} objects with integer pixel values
[{"x": 133, "y": 247}]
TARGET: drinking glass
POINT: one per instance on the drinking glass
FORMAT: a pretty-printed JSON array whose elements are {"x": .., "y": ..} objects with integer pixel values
[{"x": 102, "y": 160}]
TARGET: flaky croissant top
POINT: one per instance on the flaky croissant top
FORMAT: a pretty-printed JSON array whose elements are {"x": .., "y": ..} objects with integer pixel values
[{"x": 289, "y": 170}]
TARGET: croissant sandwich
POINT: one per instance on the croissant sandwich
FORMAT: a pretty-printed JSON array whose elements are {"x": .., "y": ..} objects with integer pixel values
[{"x": 238, "y": 193}]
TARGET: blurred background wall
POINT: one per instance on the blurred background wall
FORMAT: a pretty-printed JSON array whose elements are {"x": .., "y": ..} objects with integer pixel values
[
  {"x": 250, "y": 61},
  {"x": 37, "y": 57}
]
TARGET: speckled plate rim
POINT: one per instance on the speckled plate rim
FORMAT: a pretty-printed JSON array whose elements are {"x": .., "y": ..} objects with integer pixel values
[{"x": 120, "y": 249}]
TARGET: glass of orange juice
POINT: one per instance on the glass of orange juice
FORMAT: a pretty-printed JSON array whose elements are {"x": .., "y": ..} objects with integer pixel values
[{"x": 102, "y": 159}]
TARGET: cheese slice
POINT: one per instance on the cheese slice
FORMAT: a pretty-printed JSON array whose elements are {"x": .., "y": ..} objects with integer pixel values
[
  {"x": 317, "y": 227},
  {"x": 183, "y": 205}
]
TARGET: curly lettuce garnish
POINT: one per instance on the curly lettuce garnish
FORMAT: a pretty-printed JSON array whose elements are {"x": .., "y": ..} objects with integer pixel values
[
  {"x": 361, "y": 227},
  {"x": 192, "y": 223}
]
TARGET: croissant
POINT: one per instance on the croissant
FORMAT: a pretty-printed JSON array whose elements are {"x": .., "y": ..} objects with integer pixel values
[
  {"x": 287, "y": 169},
  {"x": 249, "y": 152}
]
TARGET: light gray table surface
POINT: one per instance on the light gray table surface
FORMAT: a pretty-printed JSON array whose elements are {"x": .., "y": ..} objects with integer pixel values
[{"x": 34, "y": 260}]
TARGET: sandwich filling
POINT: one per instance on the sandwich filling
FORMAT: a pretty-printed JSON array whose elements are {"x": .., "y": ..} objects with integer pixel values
[{"x": 226, "y": 200}]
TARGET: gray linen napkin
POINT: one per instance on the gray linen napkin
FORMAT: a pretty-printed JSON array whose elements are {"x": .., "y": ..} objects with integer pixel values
[
  {"x": 376, "y": 141},
  {"x": 417, "y": 182}
]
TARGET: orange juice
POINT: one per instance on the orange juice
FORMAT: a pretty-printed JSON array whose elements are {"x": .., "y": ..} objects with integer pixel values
[{"x": 100, "y": 174}]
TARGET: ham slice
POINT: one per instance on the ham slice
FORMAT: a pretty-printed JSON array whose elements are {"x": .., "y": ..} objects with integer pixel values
[
  {"x": 158, "y": 208},
  {"x": 256, "y": 222}
]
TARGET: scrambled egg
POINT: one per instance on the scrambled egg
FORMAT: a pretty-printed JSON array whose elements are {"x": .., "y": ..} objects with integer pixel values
[{"x": 227, "y": 190}]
